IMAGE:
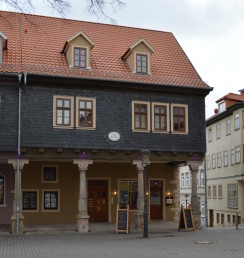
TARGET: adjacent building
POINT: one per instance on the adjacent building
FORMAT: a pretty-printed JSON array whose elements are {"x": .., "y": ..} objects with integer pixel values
[
  {"x": 78, "y": 102},
  {"x": 224, "y": 162}
]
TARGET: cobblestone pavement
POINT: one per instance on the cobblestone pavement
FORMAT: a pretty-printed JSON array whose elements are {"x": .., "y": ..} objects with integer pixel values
[{"x": 201, "y": 243}]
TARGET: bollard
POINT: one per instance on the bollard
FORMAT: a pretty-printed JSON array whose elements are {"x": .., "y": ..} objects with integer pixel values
[{"x": 236, "y": 220}]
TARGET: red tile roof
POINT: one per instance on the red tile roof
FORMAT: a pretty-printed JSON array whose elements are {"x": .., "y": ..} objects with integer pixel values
[
  {"x": 232, "y": 96},
  {"x": 43, "y": 39}
]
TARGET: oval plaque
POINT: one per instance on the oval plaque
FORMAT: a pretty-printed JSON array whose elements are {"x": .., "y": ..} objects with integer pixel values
[{"x": 114, "y": 136}]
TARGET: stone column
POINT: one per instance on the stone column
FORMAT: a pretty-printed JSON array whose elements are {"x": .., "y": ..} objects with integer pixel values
[
  {"x": 194, "y": 167},
  {"x": 14, "y": 162},
  {"x": 82, "y": 216},
  {"x": 139, "y": 220}
]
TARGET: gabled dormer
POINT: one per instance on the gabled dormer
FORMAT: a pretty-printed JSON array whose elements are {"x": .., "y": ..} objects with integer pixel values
[
  {"x": 78, "y": 51},
  {"x": 3, "y": 45},
  {"x": 138, "y": 57}
]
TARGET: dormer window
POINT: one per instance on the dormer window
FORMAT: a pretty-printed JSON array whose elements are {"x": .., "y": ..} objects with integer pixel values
[
  {"x": 3, "y": 45},
  {"x": 80, "y": 57},
  {"x": 78, "y": 51},
  {"x": 221, "y": 106},
  {"x": 141, "y": 63},
  {"x": 138, "y": 57}
]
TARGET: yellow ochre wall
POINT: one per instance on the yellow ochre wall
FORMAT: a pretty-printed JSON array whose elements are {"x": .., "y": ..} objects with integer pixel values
[{"x": 68, "y": 184}]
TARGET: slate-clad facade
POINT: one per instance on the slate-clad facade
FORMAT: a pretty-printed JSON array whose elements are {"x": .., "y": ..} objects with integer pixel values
[{"x": 73, "y": 85}]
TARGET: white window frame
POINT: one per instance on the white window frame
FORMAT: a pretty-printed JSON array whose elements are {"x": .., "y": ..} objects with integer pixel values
[
  {"x": 237, "y": 121},
  {"x": 228, "y": 126},
  {"x": 238, "y": 154},
  {"x": 209, "y": 192},
  {"x": 225, "y": 154},
  {"x": 219, "y": 160},
  {"x": 213, "y": 161},
  {"x": 232, "y": 156},
  {"x": 208, "y": 162},
  {"x": 220, "y": 191},
  {"x": 218, "y": 131},
  {"x": 222, "y": 106},
  {"x": 210, "y": 134}
]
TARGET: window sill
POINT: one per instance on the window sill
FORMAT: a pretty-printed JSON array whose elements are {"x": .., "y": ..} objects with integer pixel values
[
  {"x": 176, "y": 132},
  {"x": 63, "y": 127},
  {"x": 86, "y": 128},
  {"x": 50, "y": 210},
  {"x": 140, "y": 131},
  {"x": 160, "y": 131},
  {"x": 50, "y": 182}
]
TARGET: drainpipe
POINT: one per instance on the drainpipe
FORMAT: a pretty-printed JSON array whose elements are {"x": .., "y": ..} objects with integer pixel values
[
  {"x": 18, "y": 157},
  {"x": 206, "y": 207}
]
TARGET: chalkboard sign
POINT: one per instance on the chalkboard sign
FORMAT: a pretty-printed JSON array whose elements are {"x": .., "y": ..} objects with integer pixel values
[
  {"x": 186, "y": 220},
  {"x": 122, "y": 220}
]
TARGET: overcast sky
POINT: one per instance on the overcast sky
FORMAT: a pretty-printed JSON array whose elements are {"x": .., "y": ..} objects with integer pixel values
[{"x": 211, "y": 32}]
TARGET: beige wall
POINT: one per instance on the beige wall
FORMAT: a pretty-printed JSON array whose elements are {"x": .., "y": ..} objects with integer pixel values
[{"x": 68, "y": 184}]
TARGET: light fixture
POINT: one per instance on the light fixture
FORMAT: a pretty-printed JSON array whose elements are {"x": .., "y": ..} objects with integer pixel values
[
  {"x": 168, "y": 193},
  {"x": 114, "y": 193}
]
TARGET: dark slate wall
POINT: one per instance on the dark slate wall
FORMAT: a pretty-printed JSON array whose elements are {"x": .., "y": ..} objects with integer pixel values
[
  {"x": 8, "y": 117},
  {"x": 113, "y": 113}
]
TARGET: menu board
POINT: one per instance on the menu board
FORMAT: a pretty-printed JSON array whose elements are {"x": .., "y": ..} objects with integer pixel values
[
  {"x": 122, "y": 220},
  {"x": 186, "y": 220}
]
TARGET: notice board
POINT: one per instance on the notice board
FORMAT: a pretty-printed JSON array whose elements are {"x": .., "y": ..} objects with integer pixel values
[
  {"x": 122, "y": 220},
  {"x": 186, "y": 220}
]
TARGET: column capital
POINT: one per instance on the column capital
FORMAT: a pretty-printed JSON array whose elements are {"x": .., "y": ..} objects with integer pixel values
[
  {"x": 138, "y": 164},
  {"x": 194, "y": 165},
  {"x": 83, "y": 163},
  {"x": 22, "y": 162}
]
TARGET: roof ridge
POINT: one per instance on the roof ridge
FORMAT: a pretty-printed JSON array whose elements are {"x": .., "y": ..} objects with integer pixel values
[{"x": 100, "y": 23}]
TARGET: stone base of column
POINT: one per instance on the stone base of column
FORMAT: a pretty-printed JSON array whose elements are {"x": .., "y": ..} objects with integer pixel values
[
  {"x": 139, "y": 221},
  {"x": 197, "y": 218},
  {"x": 14, "y": 223},
  {"x": 82, "y": 222}
]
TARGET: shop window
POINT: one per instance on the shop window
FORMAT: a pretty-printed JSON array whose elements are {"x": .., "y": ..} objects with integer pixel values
[
  {"x": 86, "y": 113},
  {"x": 2, "y": 190},
  {"x": 232, "y": 196},
  {"x": 50, "y": 174},
  {"x": 128, "y": 191},
  {"x": 30, "y": 200},
  {"x": 51, "y": 200}
]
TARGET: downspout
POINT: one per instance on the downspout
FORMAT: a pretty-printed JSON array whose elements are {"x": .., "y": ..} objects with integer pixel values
[{"x": 206, "y": 207}]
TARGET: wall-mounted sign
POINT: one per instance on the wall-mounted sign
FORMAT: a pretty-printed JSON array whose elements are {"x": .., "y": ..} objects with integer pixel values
[{"x": 114, "y": 136}]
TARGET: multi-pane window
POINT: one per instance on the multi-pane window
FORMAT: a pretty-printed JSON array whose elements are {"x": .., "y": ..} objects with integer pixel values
[
  {"x": 187, "y": 180},
  {"x": 160, "y": 117},
  {"x": 63, "y": 112},
  {"x": 182, "y": 180},
  {"x": 221, "y": 106},
  {"x": 210, "y": 134},
  {"x": 214, "y": 192},
  {"x": 232, "y": 154},
  {"x": 80, "y": 57},
  {"x": 140, "y": 116},
  {"x": 202, "y": 210},
  {"x": 128, "y": 192},
  {"x": 238, "y": 154},
  {"x": 225, "y": 158},
  {"x": 219, "y": 160},
  {"x": 179, "y": 119},
  {"x": 209, "y": 191},
  {"x": 51, "y": 200},
  {"x": 50, "y": 174},
  {"x": 141, "y": 63},
  {"x": 208, "y": 162},
  {"x": 220, "y": 192},
  {"x": 218, "y": 131},
  {"x": 2, "y": 185},
  {"x": 228, "y": 126},
  {"x": 85, "y": 113},
  {"x": 202, "y": 180},
  {"x": 213, "y": 161},
  {"x": 237, "y": 121},
  {"x": 232, "y": 196},
  {"x": 29, "y": 200}
]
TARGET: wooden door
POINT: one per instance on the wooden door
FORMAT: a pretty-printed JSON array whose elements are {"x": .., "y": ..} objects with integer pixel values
[
  {"x": 156, "y": 192},
  {"x": 98, "y": 200}
]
